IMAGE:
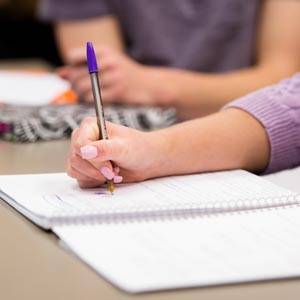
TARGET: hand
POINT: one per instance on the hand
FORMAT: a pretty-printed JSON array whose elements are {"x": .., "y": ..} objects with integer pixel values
[
  {"x": 137, "y": 155},
  {"x": 122, "y": 79},
  {"x": 231, "y": 139}
]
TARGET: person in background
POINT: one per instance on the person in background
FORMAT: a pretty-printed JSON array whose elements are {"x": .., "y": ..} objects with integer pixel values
[
  {"x": 22, "y": 35},
  {"x": 195, "y": 55},
  {"x": 259, "y": 133}
]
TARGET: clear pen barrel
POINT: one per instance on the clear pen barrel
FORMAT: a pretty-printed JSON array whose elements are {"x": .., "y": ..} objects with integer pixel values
[{"x": 99, "y": 106}]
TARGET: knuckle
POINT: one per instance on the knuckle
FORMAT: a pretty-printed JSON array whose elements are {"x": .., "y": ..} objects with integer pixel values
[
  {"x": 76, "y": 150},
  {"x": 88, "y": 120},
  {"x": 88, "y": 98},
  {"x": 75, "y": 134},
  {"x": 73, "y": 160}
]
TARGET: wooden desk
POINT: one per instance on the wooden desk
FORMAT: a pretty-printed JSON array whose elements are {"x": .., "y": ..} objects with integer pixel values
[{"x": 34, "y": 266}]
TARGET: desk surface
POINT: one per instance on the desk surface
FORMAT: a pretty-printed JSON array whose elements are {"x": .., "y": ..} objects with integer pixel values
[{"x": 34, "y": 266}]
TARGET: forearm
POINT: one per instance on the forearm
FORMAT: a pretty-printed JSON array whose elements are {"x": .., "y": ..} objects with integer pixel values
[
  {"x": 259, "y": 132},
  {"x": 277, "y": 56},
  {"x": 198, "y": 94},
  {"x": 231, "y": 139},
  {"x": 74, "y": 34}
]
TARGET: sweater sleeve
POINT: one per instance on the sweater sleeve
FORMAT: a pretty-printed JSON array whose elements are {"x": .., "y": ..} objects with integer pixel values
[
  {"x": 277, "y": 108},
  {"x": 60, "y": 10}
]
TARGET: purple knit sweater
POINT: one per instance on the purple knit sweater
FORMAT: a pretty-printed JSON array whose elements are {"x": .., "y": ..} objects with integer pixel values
[{"x": 278, "y": 109}]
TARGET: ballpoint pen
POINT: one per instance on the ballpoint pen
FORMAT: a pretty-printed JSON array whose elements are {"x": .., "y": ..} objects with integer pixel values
[{"x": 93, "y": 70}]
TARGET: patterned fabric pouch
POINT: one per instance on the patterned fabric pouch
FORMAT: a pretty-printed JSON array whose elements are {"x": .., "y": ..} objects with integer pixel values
[{"x": 53, "y": 122}]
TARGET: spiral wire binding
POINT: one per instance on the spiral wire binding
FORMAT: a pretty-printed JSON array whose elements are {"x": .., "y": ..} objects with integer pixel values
[{"x": 174, "y": 211}]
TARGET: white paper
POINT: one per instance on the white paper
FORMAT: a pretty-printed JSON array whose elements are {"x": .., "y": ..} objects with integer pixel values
[
  {"x": 289, "y": 179},
  {"x": 30, "y": 89},
  {"x": 57, "y": 195},
  {"x": 149, "y": 256}
]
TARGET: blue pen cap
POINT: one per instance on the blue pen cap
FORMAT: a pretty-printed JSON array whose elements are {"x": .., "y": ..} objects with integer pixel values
[{"x": 91, "y": 58}]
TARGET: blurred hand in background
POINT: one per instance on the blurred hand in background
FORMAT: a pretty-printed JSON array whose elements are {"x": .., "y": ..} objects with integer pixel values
[{"x": 123, "y": 80}]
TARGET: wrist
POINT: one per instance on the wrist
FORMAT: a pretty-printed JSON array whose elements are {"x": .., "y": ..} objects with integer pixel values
[
  {"x": 161, "y": 154},
  {"x": 170, "y": 151},
  {"x": 162, "y": 85}
]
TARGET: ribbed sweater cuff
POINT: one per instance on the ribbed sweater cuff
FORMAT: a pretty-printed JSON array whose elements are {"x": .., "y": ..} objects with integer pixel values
[{"x": 268, "y": 107}]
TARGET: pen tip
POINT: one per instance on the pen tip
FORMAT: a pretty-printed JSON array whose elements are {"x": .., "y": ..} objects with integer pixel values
[{"x": 111, "y": 187}]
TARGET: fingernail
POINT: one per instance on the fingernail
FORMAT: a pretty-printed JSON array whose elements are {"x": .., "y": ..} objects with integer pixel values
[
  {"x": 118, "y": 179},
  {"x": 107, "y": 173},
  {"x": 88, "y": 152}
]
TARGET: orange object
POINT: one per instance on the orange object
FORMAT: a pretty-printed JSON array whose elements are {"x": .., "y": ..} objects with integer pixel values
[{"x": 68, "y": 97}]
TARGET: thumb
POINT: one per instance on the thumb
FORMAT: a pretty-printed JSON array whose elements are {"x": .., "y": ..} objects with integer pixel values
[
  {"x": 87, "y": 133},
  {"x": 76, "y": 56},
  {"x": 101, "y": 151}
]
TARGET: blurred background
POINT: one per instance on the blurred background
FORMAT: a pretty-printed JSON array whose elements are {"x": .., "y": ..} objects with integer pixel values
[{"x": 23, "y": 36}]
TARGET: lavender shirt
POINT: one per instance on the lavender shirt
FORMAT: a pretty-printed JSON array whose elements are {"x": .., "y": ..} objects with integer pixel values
[
  {"x": 202, "y": 35},
  {"x": 278, "y": 109}
]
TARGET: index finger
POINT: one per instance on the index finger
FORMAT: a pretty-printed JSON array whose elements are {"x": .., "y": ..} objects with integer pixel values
[
  {"x": 76, "y": 56},
  {"x": 87, "y": 133}
]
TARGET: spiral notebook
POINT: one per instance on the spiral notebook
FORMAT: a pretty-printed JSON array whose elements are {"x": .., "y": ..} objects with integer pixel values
[
  {"x": 55, "y": 199},
  {"x": 203, "y": 251}
]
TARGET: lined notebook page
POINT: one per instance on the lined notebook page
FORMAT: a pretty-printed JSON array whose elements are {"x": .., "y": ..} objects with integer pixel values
[
  {"x": 151, "y": 256},
  {"x": 57, "y": 195}
]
